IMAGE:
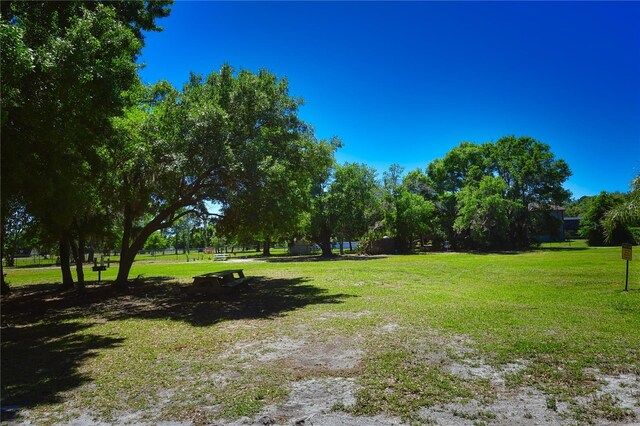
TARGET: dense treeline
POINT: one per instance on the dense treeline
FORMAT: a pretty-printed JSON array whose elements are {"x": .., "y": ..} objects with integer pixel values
[
  {"x": 93, "y": 160},
  {"x": 609, "y": 218}
]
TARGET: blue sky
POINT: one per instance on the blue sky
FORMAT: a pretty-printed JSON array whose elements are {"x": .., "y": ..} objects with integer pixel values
[{"x": 405, "y": 82}]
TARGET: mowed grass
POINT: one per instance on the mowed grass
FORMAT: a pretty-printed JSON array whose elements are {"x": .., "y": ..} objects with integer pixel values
[
  {"x": 559, "y": 312},
  {"x": 166, "y": 256}
]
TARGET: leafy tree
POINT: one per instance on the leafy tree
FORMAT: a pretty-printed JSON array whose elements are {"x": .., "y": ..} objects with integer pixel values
[
  {"x": 408, "y": 214},
  {"x": 533, "y": 176},
  {"x": 593, "y": 226},
  {"x": 156, "y": 242},
  {"x": 464, "y": 165},
  {"x": 468, "y": 162},
  {"x": 72, "y": 62},
  {"x": 14, "y": 230},
  {"x": 417, "y": 182},
  {"x": 414, "y": 218},
  {"x": 271, "y": 209},
  {"x": 391, "y": 190},
  {"x": 208, "y": 141},
  {"x": 354, "y": 200},
  {"x": 626, "y": 213},
  {"x": 323, "y": 218},
  {"x": 530, "y": 171},
  {"x": 579, "y": 207},
  {"x": 483, "y": 218}
]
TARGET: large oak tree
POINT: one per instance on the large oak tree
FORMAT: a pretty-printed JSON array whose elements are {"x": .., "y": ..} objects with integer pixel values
[{"x": 218, "y": 138}]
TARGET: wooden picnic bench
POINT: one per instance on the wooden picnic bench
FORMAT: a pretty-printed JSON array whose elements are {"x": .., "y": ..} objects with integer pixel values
[{"x": 219, "y": 282}]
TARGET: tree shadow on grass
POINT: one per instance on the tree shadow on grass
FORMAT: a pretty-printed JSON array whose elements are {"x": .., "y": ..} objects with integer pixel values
[
  {"x": 162, "y": 298},
  {"x": 42, "y": 360},
  {"x": 261, "y": 298},
  {"x": 46, "y": 335}
]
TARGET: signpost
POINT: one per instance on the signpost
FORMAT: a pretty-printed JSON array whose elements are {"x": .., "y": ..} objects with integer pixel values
[
  {"x": 627, "y": 254},
  {"x": 101, "y": 267}
]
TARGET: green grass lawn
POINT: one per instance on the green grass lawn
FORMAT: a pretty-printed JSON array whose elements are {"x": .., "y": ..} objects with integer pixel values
[
  {"x": 559, "y": 313},
  {"x": 166, "y": 256}
]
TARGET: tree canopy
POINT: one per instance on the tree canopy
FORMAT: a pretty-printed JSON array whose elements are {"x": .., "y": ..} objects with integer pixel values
[
  {"x": 65, "y": 68},
  {"x": 231, "y": 138}
]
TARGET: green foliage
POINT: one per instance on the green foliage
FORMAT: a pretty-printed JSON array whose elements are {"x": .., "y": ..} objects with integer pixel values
[
  {"x": 414, "y": 217},
  {"x": 626, "y": 213},
  {"x": 531, "y": 178},
  {"x": 15, "y": 224},
  {"x": 156, "y": 242},
  {"x": 579, "y": 207},
  {"x": 483, "y": 217},
  {"x": 416, "y": 182},
  {"x": 593, "y": 227},
  {"x": 234, "y": 139},
  {"x": 464, "y": 164},
  {"x": 273, "y": 208},
  {"x": 353, "y": 198},
  {"x": 65, "y": 68}
]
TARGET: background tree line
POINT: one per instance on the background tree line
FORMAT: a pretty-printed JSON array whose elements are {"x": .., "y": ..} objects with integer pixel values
[{"x": 609, "y": 218}]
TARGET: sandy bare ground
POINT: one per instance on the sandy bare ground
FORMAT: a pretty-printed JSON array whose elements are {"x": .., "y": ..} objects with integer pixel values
[
  {"x": 333, "y": 365},
  {"x": 314, "y": 402}
]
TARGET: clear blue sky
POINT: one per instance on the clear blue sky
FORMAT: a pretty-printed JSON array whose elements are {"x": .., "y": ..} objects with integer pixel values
[{"x": 406, "y": 82}]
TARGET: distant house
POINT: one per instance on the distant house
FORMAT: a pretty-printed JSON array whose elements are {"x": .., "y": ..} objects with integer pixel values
[
  {"x": 571, "y": 226},
  {"x": 382, "y": 246},
  {"x": 301, "y": 248},
  {"x": 550, "y": 223}
]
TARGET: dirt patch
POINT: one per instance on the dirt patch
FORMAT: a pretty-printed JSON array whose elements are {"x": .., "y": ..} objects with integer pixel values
[
  {"x": 343, "y": 315},
  {"x": 388, "y": 328},
  {"x": 314, "y": 402},
  {"x": 617, "y": 402},
  {"x": 309, "y": 353},
  {"x": 625, "y": 388},
  {"x": 520, "y": 406},
  {"x": 525, "y": 406}
]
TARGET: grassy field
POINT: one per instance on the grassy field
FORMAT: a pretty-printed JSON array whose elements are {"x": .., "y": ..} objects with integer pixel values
[
  {"x": 166, "y": 256},
  {"x": 410, "y": 337}
]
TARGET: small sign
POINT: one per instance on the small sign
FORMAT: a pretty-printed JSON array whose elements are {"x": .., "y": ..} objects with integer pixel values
[{"x": 627, "y": 251}]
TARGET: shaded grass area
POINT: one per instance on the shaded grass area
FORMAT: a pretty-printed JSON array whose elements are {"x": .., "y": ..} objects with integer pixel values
[
  {"x": 53, "y": 343},
  {"x": 559, "y": 313}
]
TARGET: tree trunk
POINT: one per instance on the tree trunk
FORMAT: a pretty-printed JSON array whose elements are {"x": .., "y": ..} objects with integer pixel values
[
  {"x": 132, "y": 245},
  {"x": 4, "y": 288},
  {"x": 258, "y": 246},
  {"x": 127, "y": 257},
  {"x": 11, "y": 259},
  {"x": 78, "y": 256},
  {"x": 325, "y": 242},
  {"x": 65, "y": 266},
  {"x": 92, "y": 251},
  {"x": 350, "y": 246},
  {"x": 341, "y": 246},
  {"x": 266, "y": 251}
]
